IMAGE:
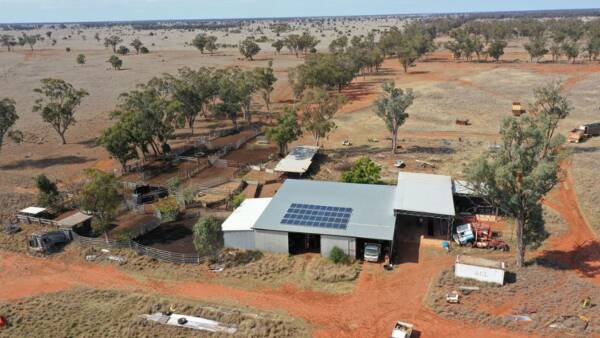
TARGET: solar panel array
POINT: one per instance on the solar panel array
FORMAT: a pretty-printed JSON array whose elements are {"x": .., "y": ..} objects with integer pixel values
[{"x": 317, "y": 216}]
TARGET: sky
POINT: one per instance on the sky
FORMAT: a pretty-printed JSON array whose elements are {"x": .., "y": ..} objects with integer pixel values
[{"x": 12, "y": 11}]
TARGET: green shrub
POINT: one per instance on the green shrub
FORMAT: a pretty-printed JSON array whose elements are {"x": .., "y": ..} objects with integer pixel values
[
  {"x": 337, "y": 255},
  {"x": 126, "y": 235},
  {"x": 208, "y": 236},
  {"x": 238, "y": 200},
  {"x": 48, "y": 195},
  {"x": 167, "y": 209},
  {"x": 364, "y": 171}
]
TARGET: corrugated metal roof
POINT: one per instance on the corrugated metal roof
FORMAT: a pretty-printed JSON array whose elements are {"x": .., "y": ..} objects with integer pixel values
[
  {"x": 244, "y": 216},
  {"x": 372, "y": 215},
  {"x": 460, "y": 187},
  {"x": 33, "y": 210},
  {"x": 75, "y": 219},
  {"x": 298, "y": 160},
  {"x": 424, "y": 193}
]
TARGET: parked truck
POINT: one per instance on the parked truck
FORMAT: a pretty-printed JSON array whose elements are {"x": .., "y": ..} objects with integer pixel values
[
  {"x": 584, "y": 132},
  {"x": 45, "y": 242}
]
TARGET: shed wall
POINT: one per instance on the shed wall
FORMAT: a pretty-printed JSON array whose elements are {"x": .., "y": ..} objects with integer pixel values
[
  {"x": 273, "y": 241},
  {"x": 239, "y": 239},
  {"x": 347, "y": 244}
]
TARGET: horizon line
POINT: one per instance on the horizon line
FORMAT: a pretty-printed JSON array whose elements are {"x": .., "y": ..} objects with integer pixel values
[{"x": 308, "y": 17}]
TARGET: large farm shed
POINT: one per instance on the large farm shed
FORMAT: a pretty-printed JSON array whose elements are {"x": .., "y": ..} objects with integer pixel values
[{"x": 315, "y": 216}]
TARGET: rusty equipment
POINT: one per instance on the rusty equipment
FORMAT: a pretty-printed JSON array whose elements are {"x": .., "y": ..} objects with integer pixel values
[
  {"x": 484, "y": 238},
  {"x": 517, "y": 109},
  {"x": 463, "y": 122}
]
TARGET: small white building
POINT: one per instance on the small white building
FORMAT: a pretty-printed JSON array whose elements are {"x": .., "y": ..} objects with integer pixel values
[
  {"x": 238, "y": 229},
  {"x": 483, "y": 270},
  {"x": 33, "y": 211}
]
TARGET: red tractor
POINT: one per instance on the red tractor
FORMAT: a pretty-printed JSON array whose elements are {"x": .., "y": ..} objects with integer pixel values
[{"x": 484, "y": 238}]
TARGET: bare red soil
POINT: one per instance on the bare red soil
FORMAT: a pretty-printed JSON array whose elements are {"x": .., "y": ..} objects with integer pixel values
[{"x": 578, "y": 249}]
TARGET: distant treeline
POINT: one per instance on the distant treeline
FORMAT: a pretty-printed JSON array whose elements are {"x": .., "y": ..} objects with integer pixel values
[{"x": 211, "y": 24}]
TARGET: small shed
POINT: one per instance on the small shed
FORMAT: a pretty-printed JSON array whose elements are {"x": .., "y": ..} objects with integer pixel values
[
  {"x": 33, "y": 211},
  {"x": 77, "y": 220},
  {"x": 34, "y": 214},
  {"x": 238, "y": 231},
  {"x": 298, "y": 160},
  {"x": 483, "y": 270}
]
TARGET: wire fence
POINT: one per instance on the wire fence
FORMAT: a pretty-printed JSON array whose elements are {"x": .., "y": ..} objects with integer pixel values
[
  {"x": 160, "y": 255},
  {"x": 39, "y": 220}
]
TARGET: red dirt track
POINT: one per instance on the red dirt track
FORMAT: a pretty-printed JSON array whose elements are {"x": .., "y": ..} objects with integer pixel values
[
  {"x": 578, "y": 248},
  {"x": 377, "y": 302}
]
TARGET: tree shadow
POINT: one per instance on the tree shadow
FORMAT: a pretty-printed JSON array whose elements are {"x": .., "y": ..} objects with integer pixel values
[
  {"x": 90, "y": 143},
  {"x": 419, "y": 72},
  {"x": 585, "y": 150},
  {"x": 357, "y": 91},
  {"x": 429, "y": 150},
  {"x": 46, "y": 162},
  {"x": 364, "y": 149},
  {"x": 583, "y": 258},
  {"x": 382, "y": 72}
]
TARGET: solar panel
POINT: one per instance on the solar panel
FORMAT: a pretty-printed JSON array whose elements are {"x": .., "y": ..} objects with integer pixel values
[{"x": 317, "y": 216}]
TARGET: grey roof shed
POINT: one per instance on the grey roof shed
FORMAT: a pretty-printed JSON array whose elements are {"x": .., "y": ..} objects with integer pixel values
[{"x": 372, "y": 208}]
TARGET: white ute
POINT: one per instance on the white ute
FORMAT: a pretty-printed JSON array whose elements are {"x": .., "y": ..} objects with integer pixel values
[
  {"x": 402, "y": 330},
  {"x": 372, "y": 252}
]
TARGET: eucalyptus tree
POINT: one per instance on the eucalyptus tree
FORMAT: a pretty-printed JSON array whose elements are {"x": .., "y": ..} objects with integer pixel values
[
  {"x": 391, "y": 108},
  {"x": 516, "y": 177},
  {"x": 57, "y": 104},
  {"x": 318, "y": 109},
  {"x": 112, "y": 41},
  {"x": 265, "y": 81},
  {"x": 8, "y": 118}
]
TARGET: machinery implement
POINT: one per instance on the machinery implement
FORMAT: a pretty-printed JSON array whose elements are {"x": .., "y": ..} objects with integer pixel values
[
  {"x": 484, "y": 238},
  {"x": 478, "y": 235},
  {"x": 584, "y": 132}
]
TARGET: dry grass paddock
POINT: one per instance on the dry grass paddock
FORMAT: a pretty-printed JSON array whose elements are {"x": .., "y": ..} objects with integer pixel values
[
  {"x": 249, "y": 270},
  {"x": 548, "y": 296},
  {"x": 84, "y": 312},
  {"x": 586, "y": 158}
]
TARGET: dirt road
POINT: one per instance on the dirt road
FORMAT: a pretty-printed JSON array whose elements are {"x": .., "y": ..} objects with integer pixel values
[
  {"x": 578, "y": 249},
  {"x": 379, "y": 299}
]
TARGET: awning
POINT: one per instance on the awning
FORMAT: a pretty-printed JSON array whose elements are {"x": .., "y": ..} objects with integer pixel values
[{"x": 244, "y": 217}]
